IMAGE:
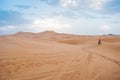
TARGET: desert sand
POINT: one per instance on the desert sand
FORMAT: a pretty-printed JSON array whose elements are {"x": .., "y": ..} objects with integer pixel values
[{"x": 56, "y": 56}]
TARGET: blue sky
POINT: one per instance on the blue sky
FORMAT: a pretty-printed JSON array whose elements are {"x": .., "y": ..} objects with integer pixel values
[{"x": 86, "y": 17}]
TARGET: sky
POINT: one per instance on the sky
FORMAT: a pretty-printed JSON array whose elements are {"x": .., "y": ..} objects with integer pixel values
[{"x": 85, "y": 17}]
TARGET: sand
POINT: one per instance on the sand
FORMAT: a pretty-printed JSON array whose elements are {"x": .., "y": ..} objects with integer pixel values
[{"x": 56, "y": 56}]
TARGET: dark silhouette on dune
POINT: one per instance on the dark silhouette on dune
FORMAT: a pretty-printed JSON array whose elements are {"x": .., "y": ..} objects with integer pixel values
[{"x": 99, "y": 41}]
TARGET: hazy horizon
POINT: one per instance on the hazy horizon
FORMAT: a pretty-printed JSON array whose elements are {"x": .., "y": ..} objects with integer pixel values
[
  {"x": 82, "y": 17},
  {"x": 62, "y": 33}
]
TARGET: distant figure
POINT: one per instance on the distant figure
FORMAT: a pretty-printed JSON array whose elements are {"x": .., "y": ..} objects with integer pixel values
[{"x": 99, "y": 41}]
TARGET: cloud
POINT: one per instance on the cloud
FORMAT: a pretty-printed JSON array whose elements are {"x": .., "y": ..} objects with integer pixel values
[
  {"x": 69, "y": 3},
  {"x": 52, "y": 23},
  {"x": 105, "y": 28},
  {"x": 103, "y": 7},
  {"x": 100, "y": 7},
  {"x": 98, "y": 4},
  {"x": 85, "y": 4},
  {"x": 23, "y": 6},
  {"x": 6, "y": 28}
]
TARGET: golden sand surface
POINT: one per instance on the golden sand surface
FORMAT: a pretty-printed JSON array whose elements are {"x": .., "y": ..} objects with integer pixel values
[{"x": 56, "y": 56}]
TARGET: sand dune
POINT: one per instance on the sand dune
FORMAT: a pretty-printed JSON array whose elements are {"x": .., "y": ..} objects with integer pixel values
[{"x": 57, "y": 56}]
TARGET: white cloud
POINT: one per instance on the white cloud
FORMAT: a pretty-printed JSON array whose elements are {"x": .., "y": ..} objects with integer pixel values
[
  {"x": 6, "y": 28},
  {"x": 82, "y": 4},
  {"x": 69, "y": 3},
  {"x": 53, "y": 23},
  {"x": 98, "y": 4},
  {"x": 105, "y": 28}
]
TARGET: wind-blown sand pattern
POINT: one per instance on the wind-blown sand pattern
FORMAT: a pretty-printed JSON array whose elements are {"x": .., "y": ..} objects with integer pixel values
[{"x": 53, "y": 56}]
